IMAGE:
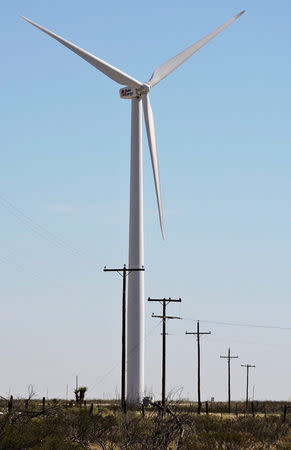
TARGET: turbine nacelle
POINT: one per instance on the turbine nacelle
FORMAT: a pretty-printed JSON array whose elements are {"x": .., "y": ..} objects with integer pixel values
[{"x": 128, "y": 93}]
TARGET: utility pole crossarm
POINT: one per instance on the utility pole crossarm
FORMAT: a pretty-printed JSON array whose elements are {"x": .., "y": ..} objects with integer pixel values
[
  {"x": 169, "y": 300},
  {"x": 129, "y": 269},
  {"x": 166, "y": 317},
  {"x": 200, "y": 332}
]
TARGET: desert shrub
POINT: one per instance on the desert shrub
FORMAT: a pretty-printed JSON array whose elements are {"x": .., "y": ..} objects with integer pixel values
[
  {"x": 20, "y": 430},
  {"x": 234, "y": 433},
  {"x": 230, "y": 440},
  {"x": 135, "y": 432},
  {"x": 269, "y": 429},
  {"x": 64, "y": 428}
]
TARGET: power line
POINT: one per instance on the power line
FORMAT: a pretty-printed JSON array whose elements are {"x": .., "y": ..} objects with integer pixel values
[
  {"x": 20, "y": 267},
  {"x": 238, "y": 324},
  {"x": 39, "y": 229},
  {"x": 103, "y": 378},
  {"x": 4, "y": 259}
]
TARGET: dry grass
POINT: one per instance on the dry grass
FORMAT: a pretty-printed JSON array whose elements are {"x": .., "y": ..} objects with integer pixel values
[{"x": 106, "y": 428}]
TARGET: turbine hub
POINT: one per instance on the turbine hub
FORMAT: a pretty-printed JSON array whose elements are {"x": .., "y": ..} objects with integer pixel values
[{"x": 128, "y": 93}]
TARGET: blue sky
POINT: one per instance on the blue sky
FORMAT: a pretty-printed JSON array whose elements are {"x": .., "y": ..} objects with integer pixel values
[{"x": 223, "y": 133}]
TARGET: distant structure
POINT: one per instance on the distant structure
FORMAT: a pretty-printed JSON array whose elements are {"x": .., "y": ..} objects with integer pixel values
[
  {"x": 229, "y": 358},
  {"x": 247, "y": 366},
  {"x": 164, "y": 302},
  {"x": 138, "y": 93},
  {"x": 198, "y": 333}
]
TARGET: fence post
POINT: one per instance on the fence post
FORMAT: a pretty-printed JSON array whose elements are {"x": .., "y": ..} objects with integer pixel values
[
  {"x": 206, "y": 407},
  {"x": 91, "y": 409},
  {"x": 236, "y": 413},
  {"x": 199, "y": 406},
  {"x": 26, "y": 404},
  {"x": 10, "y": 403},
  {"x": 43, "y": 405},
  {"x": 284, "y": 413},
  {"x": 253, "y": 409}
]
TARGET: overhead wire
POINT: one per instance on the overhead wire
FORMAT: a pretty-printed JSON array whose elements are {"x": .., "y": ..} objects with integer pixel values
[
  {"x": 103, "y": 377},
  {"x": 51, "y": 238},
  {"x": 59, "y": 242},
  {"x": 239, "y": 324},
  {"x": 4, "y": 259},
  {"x": 39, "y": 229}
]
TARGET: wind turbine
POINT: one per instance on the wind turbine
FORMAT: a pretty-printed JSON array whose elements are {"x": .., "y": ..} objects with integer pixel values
[{"x": 138, "y": 93}]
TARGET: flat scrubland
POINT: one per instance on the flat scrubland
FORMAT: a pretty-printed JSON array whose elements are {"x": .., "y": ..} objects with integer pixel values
[{"x": 62, "y": 425}]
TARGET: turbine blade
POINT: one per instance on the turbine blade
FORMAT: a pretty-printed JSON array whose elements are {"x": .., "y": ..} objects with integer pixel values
[
  {"x": 111, "y": 71},
  {"x": 169, "y": 66},
  {"x": 151, "y": 134}
]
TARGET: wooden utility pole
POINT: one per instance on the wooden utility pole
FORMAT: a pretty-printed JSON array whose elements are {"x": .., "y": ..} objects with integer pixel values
[
  {"x": 198, "y": 333},
  {"x": 247, "y": 388},
  {"x": 123, "y": 272},
  {"x": 228, "y": 357},
  {"x": 164, "y": 302}
]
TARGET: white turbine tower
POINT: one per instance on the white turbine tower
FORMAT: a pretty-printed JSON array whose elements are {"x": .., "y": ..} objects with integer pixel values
[{"x": 138, "y": 93}]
